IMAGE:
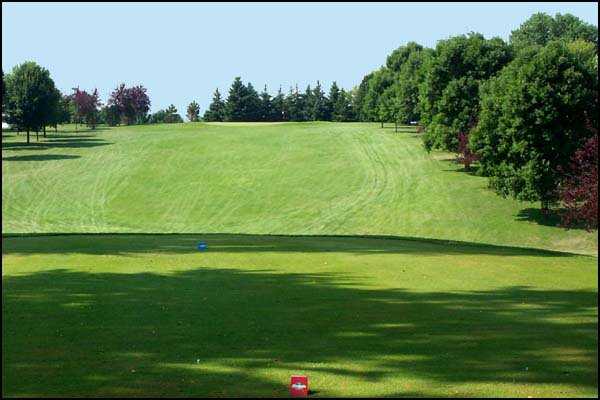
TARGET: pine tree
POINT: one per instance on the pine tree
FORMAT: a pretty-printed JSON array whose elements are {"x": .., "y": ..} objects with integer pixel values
[
  {"x": 334, "y": 94},
  {"x": 308, "y": 104},
  {"x": 319, "y": 111},
  {"x": 216, "y": 110},
  {"x": 234, "y": 108},
  {"x": 251, "y": 104},
  {"x": 278, "y": 106},
  {"x": 266, "y": 107},
  {"x": 193, "y": 111}
]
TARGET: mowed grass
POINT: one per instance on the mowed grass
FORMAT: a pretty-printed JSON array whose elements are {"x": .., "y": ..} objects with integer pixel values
[
  {"x": 148, "y": 315},
  {"x": 294, "y": 178},
  {"x": 456, "y": 302}
]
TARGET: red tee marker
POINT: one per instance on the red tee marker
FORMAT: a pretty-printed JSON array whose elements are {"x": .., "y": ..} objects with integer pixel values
[{"x": 299, "y": 386}]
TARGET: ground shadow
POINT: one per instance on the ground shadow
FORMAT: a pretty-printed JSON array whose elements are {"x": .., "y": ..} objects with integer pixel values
[
  {"x": 232, "y": 332},
  {"x": 40, "y": 157},
  {"x": 62, "y": 141},
  {"x": 120, "y": 243},
  {"x": 551, "y": 218}
]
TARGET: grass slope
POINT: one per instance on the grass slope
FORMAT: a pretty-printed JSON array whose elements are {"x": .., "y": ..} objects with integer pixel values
[
  {"x": 142, "y": 315},
  {"x": 415, "y": 314},
  {"x": 294, "y": 178}
]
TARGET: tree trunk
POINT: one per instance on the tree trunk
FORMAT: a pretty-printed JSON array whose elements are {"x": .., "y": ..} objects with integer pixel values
[
  {"x": 396, "y": 126},
  {"x": 27, "y": 136},
  {"x": 382, "y": 124},
  {"x": 44, "y": 130},
  {"x": 56, "y": 128},
  {"x": 37, "y": 135}
]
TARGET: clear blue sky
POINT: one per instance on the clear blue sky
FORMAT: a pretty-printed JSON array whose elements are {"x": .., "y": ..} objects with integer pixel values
[{"x": 182, "y": 52}]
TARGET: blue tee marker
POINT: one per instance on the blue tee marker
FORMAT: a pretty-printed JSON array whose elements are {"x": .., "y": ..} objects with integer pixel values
[{"x": 202, "y": 246}]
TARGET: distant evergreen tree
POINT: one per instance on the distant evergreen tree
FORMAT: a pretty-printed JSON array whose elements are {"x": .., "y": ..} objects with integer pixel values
[
  {"x": 234, "y": 108},
  {"x": 171, "y": 115},
  {"x": 334, "y": 94},
  {"x": 320, "y": 107},
  {"x": 266, "y": 108},
  {"x": 216, "y": 110},
  {"x": 278, "y": 106},
  {"x": 342, "y": 108},
  {"x": 251, "y": 104},
  {"x": 291, "y": 102},
  {"x": 308, "y": 102},
  {"x": 193, "y": 111}
]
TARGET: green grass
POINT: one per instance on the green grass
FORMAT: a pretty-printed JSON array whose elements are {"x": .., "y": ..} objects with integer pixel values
[
  {"x": 313, "y": 178},
  {"x": 148, "y": 315},
  {"x": 463, "y": 293}
]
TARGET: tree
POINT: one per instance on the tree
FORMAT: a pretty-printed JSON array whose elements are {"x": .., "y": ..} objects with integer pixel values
[
  {"x": 409, "y": 79},
  {"x": 451, "y": 87},
  {"x": 266, "y": 108},
  {"x": 533, "y": 117},
  {"x": 319, "y": 107},
  {"x": 110, "y": 115},
  {"x": 234, "y": 108},
  {"x": 342, "y": 109},
  {"x": 251, "y": 104},
  {"x": 193, "y": 112},
  {"x": 30, "y": 97},
  {"x": 377, "y": 84},
  {"x": 579, "y": 192},
  {"x": 334, "y": 96},
  {"x": 133, "y": 103},
  {"x": 62, "y": 111},
  {"x": 216, "y": 110},
  {"x": 171, "y": 115},
  {"x": 87, "y": 106},
  {"x": 540, "y": 29},
  {"x": 278, "y": 105},
  {"x": 400, "y": 56},
  {"x": 359, "y": 98},
  {"x": 295, "y": 102}
]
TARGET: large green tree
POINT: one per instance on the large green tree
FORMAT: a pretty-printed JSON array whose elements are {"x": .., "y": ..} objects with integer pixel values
[
  {"x": 377, "y": 85},
  {"x": 409, "y": 79},
  {"x": 541, "y": 28},
  {"x": 31, "y": 97},
  {"x": 534, "y": 115},
  {"x": 449, "y": 98}
]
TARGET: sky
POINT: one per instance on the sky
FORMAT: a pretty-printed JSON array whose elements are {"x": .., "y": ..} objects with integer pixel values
[{"x": 182, "y": 51}]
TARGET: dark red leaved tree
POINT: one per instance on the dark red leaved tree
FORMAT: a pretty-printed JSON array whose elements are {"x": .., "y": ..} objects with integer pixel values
[
  {"x": 579, "y": 192},
  {"x": 86, "y": 106}
]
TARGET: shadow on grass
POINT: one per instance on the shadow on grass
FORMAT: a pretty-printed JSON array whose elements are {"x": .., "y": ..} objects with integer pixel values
[
  {"x": 112, "y": 243},
  {"x": 232, "y": 332},
  {"x": 40, "y": 157},
  {"x": 552, "y": 218},
  {"x": 59, "y": 141}
]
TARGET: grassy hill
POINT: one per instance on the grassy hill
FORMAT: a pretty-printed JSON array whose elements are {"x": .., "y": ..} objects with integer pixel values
[
  {"x": 294, "y": 178},
  {"x": 470, "y": 295}
]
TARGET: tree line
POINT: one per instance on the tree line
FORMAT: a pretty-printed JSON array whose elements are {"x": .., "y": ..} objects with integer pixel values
[
  {"x": 244, "y": 103},
  {"x": 524, "y": 112},
  {"x": 31, "y": 102}
]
